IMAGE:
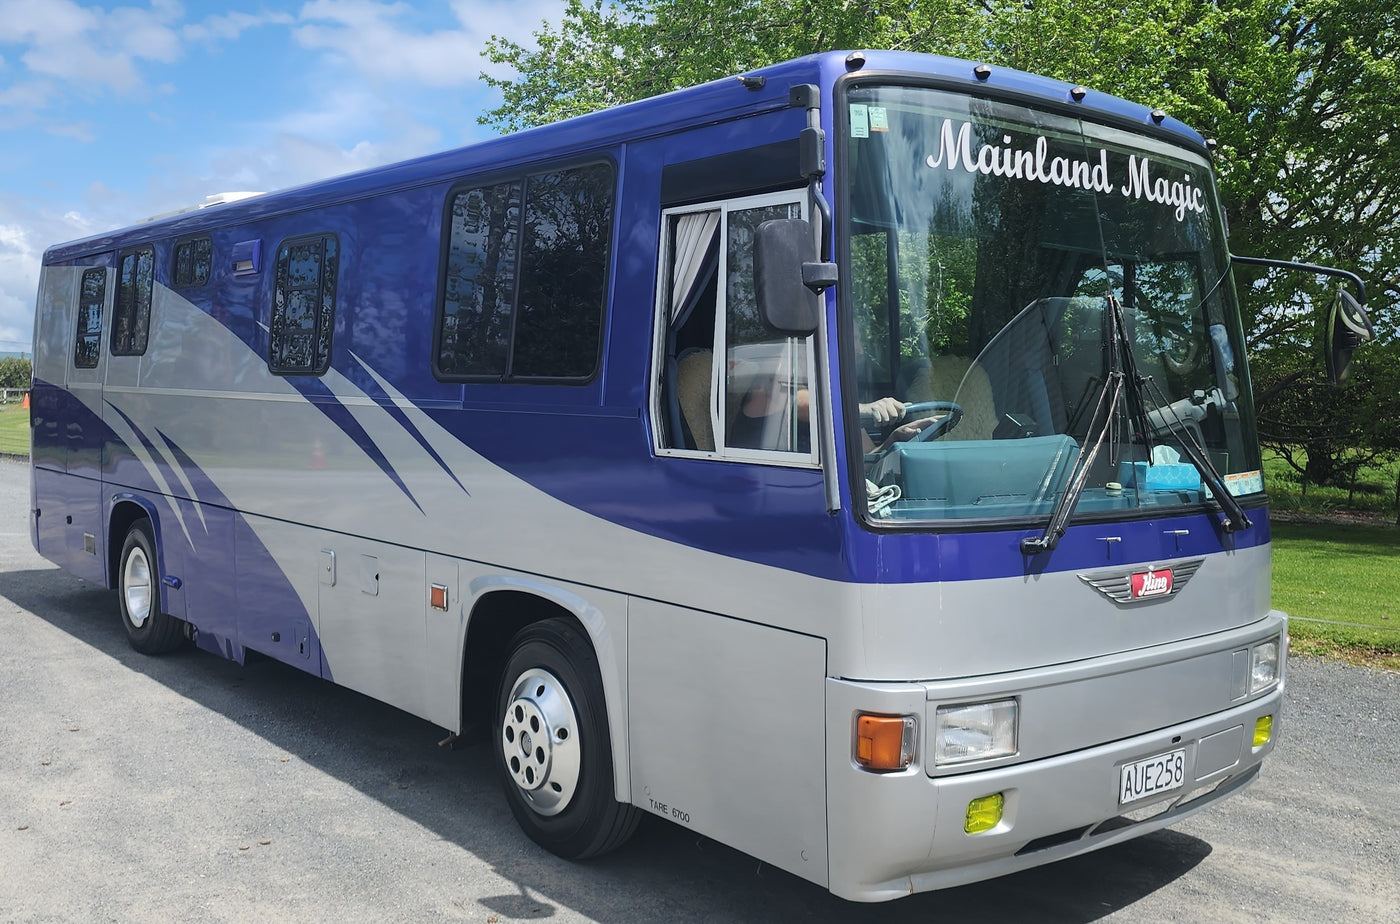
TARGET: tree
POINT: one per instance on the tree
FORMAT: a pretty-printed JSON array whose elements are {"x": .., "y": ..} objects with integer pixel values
[
  {"x": 14, "y": 372},
  {"x": 1300, "y": 97}
]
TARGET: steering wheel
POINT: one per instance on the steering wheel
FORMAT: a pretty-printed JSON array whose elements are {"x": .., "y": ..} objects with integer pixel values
[
  {"x": 951, "y": 410},
  {"x": 1180, "y": 352}
]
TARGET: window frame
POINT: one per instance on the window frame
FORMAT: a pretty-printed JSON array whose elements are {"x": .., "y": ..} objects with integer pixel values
[
  {"x": 523, "y": 177},
  {"x": 175, "y": 281},
  {"x": 718, "y": 384},
  {"x": 144, "y": 329},
  {"x": 324, "y": 366}
]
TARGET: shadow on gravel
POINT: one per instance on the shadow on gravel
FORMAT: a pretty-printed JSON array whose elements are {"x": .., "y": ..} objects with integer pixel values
[{"x": 395, "y": 759}]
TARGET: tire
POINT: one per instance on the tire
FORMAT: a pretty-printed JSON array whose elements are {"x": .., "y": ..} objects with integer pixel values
[
  {"x": 149, "y": 629},
  {"x": 553, "y": 749}
]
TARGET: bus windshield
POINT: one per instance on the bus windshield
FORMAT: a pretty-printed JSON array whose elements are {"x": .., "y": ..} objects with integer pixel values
[{"x": 992, "y": 251}]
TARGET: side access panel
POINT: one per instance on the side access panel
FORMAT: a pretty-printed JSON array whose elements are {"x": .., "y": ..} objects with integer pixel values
[
  {"x": 373, "y": 628},
  {"x": 727, "y": 728}
]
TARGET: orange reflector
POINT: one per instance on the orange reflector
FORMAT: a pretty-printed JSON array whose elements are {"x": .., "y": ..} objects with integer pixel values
[
  {"x": 437, "y": 597},
  {"x": 884, "y": 742}
]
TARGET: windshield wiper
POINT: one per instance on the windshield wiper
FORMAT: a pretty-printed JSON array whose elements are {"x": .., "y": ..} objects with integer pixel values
[
  {"x": 1124, "y": 383},
  {"x": 1168, "y": 417},
  {"x": 1117, "y": 386},
  {"x": 1109, "y": 396}
]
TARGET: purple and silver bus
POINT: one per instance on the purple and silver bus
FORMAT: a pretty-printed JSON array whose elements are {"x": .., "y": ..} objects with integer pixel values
[{"x": 853, "y": 462}]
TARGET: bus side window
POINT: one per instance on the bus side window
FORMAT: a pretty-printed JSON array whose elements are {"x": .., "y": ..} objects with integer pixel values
[
  {"x": 303, "y": 305},
  {"x": 131, "y": 319},
  {"x": 91, "y": 296},
  {"x": 692, "y": 271},
  {"x": 712, "y": 341},
  {"x": 524, "y": 285}
]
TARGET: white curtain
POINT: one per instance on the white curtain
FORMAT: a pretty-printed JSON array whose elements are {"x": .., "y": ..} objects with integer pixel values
[{"x": 694, "y": 233}]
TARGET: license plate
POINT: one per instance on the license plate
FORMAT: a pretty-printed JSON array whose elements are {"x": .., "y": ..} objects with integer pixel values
[{"x": 1154, "y": 775}]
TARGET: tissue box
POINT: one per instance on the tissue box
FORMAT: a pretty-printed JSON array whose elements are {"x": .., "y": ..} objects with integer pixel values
[{"x": 1166, "y": 476}]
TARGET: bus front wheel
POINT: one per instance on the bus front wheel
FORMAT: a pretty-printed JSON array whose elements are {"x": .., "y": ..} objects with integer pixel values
[
  {"x": 149, "y": 629},
  {"x": 553, "y": 747}
]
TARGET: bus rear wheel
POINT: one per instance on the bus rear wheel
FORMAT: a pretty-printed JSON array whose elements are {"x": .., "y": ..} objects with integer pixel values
[
  {"x": 149, "y": 629},
  {"x": 553, "y": 748}
]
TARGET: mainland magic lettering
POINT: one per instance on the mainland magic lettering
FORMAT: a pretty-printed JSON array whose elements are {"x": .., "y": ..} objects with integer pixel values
[{"x": 1036, "y": 164}]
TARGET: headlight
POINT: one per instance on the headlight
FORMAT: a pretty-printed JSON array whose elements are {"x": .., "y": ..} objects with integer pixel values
[
  {"x": 977, "y": 731},
  {"x": 1263, "y": 666}
]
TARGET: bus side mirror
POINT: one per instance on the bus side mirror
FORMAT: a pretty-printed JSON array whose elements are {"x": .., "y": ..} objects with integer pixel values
[
  {"x": 788, "y": 278},
  {"x": 1348, "y": 327}
]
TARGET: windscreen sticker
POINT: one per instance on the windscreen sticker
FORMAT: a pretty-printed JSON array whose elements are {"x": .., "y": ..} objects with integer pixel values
[
  {"x": 879, "y": 119},
  {"x": 1032, "y": 162},
  {"x": 1244, "y": 483},
  {"x": 860, "y": 120}
]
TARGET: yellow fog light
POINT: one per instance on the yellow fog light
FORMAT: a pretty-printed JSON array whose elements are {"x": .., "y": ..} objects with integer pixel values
[
  {"x": 984, "y": 814},
  {"x": 1263, "y": 730}
]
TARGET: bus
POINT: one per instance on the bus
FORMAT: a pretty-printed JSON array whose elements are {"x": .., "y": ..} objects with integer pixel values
[{"x": 853, "y": 462}]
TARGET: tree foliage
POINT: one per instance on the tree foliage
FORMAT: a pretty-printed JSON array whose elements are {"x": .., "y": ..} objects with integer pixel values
[
  {"x": 1300, "y": 95},
  {"x": 14, "y": 372}
]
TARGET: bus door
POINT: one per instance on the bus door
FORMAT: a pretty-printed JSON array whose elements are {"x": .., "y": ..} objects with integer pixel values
[{"x": 79, "y": 415}]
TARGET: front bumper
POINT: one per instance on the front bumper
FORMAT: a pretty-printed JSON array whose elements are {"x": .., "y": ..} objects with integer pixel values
[{"x": 897, "y": 833}]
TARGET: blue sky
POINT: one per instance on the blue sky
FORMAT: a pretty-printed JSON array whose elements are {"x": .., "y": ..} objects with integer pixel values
[{"x": 113, "y": 112}]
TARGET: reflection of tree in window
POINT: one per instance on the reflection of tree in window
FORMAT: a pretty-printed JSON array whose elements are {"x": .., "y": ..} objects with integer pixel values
[
  {"x": 92, "y": 294},
  {"x": 303, "y": 310},
  {"x": 192, "y": 262},
  {"x": 525, "y": 278},
  {"x": 563, "y": 270},
  {"x": 132, "y": 317},
  {"x": 480, "y": 283}
]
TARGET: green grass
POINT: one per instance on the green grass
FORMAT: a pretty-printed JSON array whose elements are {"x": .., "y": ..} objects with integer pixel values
[
  {"x": 14, "y": 430},
  {"x": 1340, "y": 583},
  {"x": 1374, "y": 492}
]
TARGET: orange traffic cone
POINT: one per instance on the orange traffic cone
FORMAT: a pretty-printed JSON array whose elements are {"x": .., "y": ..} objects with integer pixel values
[
  {"x": 25, "y": 405},
  {"x": 318, "y": 454}
]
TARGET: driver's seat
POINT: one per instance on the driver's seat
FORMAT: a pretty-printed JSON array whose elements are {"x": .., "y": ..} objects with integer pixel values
[{"x": 959, "y": 379}]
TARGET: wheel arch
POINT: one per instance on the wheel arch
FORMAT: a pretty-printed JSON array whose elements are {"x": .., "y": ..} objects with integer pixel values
[
  {"x": 126, "y": 510},
  {"x": 499, "y": 606}
]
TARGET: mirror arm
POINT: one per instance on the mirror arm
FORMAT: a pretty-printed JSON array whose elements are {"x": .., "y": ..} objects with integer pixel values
[
  {"x": 1306, "y": 268},
  {"x": 818, "y": 276}
]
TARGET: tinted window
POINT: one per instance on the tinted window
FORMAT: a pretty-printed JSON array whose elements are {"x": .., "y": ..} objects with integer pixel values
[
  {"x": 92, "y": 293},
  {"x": 526, "y": 276},
  {"x": 192, "y": 259},
  {"x": 479, "y": 288},
  {"x": 563, "y": 272},
  {"x": 131, "y": 319},
  {"x": 303, "y": 305}
]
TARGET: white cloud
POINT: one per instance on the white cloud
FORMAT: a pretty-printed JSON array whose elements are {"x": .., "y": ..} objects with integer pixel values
[
  {"x": 368, "y": 34},
  {"x": 89, "y": 47},
  {"x": 78, "y": 131},
  {"x": 19, "y": 279},
  {"x": 27, "y": 96},
  {"x": 229, "y": 26}
]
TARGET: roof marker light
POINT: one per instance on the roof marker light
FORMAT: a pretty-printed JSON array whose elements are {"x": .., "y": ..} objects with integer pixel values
[{"x": 982, "y": 72}]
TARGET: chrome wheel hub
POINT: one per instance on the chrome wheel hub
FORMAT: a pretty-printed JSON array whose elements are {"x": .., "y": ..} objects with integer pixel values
[
  {"x": 539, "y": 740},
  {"x": 136, "y": 587}
]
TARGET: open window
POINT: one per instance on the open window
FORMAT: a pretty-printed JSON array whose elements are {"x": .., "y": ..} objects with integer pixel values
[{"x": 727, "y": 385}]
